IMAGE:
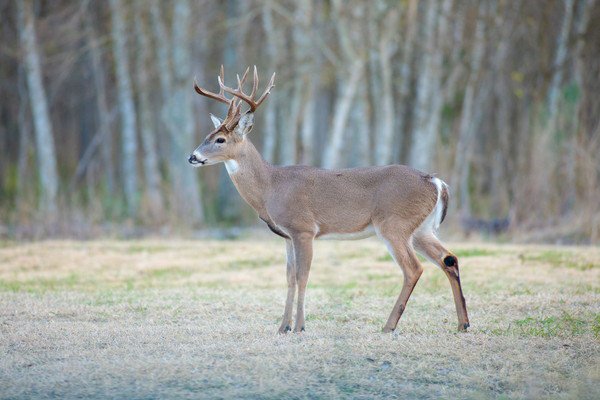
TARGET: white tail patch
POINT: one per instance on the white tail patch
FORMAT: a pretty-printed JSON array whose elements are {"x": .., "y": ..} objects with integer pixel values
[{"x": 434, "y": 219}]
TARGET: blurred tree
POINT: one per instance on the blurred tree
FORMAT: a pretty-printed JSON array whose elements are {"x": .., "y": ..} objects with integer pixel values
[
  {"x": 44, "y": 139},
  {"x": 147, "y": 125},
  {"x": 497, "y": 97},
  {"x": 464, "y": 149},
  {"x": 423, "y": 138},
  {"x": 174, "y": 71},
  {"x": 104, "y": 115},
  {"x": 126, "y": 105}
]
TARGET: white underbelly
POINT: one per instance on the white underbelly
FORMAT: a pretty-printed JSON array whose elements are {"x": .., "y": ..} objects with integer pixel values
[{"x": 365, "y": 233}]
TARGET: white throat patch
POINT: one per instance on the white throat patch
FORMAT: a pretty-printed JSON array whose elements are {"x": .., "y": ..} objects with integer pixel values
[{"x": 232, "y": 166}]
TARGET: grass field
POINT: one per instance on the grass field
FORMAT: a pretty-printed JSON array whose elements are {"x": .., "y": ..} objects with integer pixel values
[{"x": 198, "y": 319}]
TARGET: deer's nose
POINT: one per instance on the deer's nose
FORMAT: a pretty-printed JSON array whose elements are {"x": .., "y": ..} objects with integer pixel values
[{"x": 193, "y": 159}]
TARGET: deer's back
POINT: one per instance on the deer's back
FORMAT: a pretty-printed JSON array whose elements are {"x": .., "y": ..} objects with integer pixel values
[{"x": 351, "y": 198}]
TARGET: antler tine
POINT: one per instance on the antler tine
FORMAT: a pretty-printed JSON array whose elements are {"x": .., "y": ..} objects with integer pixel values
[
  {"x": 249, "y": 99},
  {"x": 254, "y": 83},
  {"x": 233, "y": 114},
  {"x": 267, "y": 90},
  {"x": 235, "y": 102},
  {"x": 216, "y": 96},
  {"x": 233, "y": 105},
  {"x": 241, "y": 83}
]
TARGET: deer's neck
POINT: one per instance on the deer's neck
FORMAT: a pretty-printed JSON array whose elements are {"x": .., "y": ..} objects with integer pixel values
[{"x": 250, "y": 174}]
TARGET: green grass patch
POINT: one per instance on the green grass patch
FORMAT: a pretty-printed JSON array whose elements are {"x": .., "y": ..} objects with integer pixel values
[
  {"x": 596, "y": 326},
  {"x": 385, "y": 257},
  {"x": 461, "y": 253},
  {"x": 67, "y": 282},
  {"x": 475, "y": 252},
  {"x": 433, "y": 282},
  {"x": 151, "y": 248},
  {"x": 365, "y": 253},
  {"x": 562, "y": 325},
  {"x": 251, "y": 263},
  {"x": 560, "y": 259},
  {"x": 382, "y": 277},
  {"x": 167, "y": 273},
  {"x": 10, "y": 286},
  {"x": 388, "y": 257}
]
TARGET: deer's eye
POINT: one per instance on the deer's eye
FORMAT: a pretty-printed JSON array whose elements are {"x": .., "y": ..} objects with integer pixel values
[{"x": 220, "y": 140}]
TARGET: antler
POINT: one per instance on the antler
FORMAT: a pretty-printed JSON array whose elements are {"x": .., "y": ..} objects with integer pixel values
[
  {"x": 239, "y": 93},
  {"x": 234, "y": 111},
  {"x": 216, "y": 96}
]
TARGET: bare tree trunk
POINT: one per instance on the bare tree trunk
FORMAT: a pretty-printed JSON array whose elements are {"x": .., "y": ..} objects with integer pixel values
[
  {"x": 182, "y": 111},
  {"x": 476, "y": 145},
  {"x": 24, "y": 143},
  {"x": 582, "y": 25},
  {"x": 177, "y": 107},
  {"x": 464, "y": 146},
  {"x": 45, "y": 155},
  {"x": 148, "y": 133},
  {"x": 289, "y": 133},
  {"x": 373, "y": 111},
  {"x": 559, "y": 61},
  {"x": 502, "y": 92},
  {"x": 353, "y": 62},
  {"x": 361, "y": 153},
  {"x": 455, "y": 64},
  {"x": 105, "y": 131},
  {"x": 273, "y": 45},
  {"x": 230, "y": 205},
  {"x": 162, "y": 46},
  {"x": 301, "y": 56},
  {"x": 333, "y": 151},
  {"x": 127, "y": 108},
  {"x": 308, "y": 122},
  {"x": 385, "y": 136},
  {"x": 406, "y": 76},
  {"x": 437, "y": 94},
  {"x": 423, "y": 142}
]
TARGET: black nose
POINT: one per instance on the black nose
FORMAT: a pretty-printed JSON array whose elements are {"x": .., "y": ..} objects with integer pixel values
[{"x": 192, "y": 159}]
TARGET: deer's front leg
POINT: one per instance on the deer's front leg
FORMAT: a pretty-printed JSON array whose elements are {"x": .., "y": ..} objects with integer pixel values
[
  {"x": 286, "y": 323},
  {"x": 302, "y": 244}
]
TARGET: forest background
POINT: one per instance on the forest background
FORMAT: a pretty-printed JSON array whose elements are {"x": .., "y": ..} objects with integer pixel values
[{"x": 500, "y": 98}]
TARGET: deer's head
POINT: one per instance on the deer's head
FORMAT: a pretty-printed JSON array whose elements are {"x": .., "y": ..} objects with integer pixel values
[{"x": 225, "y": 141}]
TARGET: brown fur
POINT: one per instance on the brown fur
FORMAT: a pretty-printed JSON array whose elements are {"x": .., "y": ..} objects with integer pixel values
[{"x": 303, "y": 203}]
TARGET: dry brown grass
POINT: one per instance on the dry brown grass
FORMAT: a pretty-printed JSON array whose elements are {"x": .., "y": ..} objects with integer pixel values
[{"x": 190, "y": 319}]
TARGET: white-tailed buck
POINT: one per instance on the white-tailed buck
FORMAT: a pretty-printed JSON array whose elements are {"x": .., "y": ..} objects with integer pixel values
[{"x": 402, "y": 206}]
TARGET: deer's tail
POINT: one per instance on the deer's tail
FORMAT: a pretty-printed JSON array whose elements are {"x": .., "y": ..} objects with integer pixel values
[{"x": 441, "y": 205}]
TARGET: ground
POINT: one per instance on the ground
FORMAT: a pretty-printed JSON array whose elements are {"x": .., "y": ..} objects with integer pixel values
[{"x": 198, "y": 319}]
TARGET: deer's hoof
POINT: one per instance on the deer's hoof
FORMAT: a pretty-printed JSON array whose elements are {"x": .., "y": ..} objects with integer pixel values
[
  {"x": 462, "y": 327},
  {"x": 387, "y": 329},
  {"x": 299, "y": 330},
  {"x": 284, "y": 329}
]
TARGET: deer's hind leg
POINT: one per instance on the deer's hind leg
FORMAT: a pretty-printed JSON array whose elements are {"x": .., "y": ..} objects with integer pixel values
[
  {"x": 430, "y": 247},
  {"x": 404, "y": 255},
  {"x": 286, "y": 323}
]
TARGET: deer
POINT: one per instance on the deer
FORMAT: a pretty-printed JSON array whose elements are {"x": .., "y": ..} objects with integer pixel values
[{"x": 400, "y": 205}]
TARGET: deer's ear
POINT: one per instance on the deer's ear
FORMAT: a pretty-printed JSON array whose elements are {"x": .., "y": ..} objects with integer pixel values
[
  {"x": 245, "y": 124},
  {"x": 216, "y": 121}
]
